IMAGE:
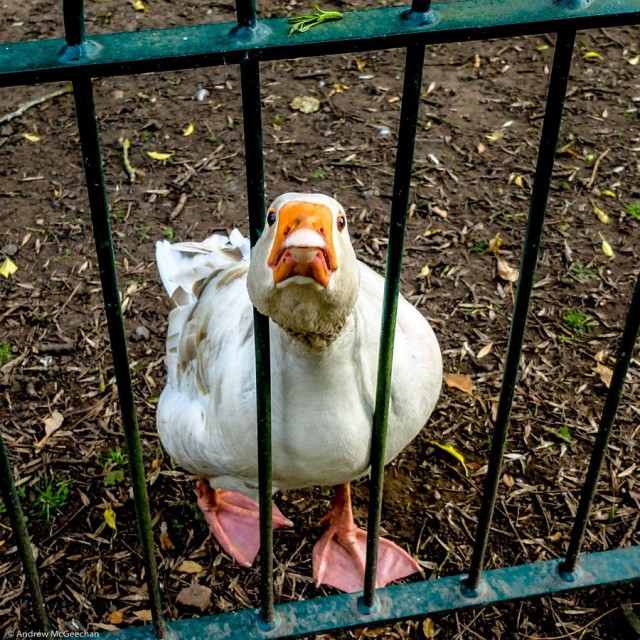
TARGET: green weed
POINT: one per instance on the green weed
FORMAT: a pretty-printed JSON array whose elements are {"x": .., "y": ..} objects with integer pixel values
[
  {"x": 51, "y": 494},
  {"x": 577, "y": 321}
]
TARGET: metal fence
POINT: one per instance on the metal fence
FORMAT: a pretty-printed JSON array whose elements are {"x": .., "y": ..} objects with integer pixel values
[{"x": 247, "y": 43}]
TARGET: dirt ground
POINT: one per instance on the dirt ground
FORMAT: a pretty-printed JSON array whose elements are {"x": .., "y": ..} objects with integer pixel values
[{"x": 480, "y": 120}]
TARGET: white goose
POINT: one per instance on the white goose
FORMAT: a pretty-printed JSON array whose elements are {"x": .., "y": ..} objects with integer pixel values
[{"x": 325, "y": 307}]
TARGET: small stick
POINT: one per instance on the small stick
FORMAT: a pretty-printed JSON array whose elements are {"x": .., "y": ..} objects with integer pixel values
[
  {"x": 32, "y": 103},
  {"x": 595, "y": 168},
  {"x": 179, "y": 207},
  {"x": 125, "y": 143}
]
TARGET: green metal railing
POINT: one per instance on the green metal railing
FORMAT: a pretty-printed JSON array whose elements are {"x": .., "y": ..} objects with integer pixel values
[{"x": 248, "y": 42}]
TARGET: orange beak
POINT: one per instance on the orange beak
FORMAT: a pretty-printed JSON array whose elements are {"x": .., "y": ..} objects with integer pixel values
[{"x": 303, "y": 245}]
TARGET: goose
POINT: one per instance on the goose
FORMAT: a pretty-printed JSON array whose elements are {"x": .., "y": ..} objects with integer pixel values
[{"x": 324, "y": 307}]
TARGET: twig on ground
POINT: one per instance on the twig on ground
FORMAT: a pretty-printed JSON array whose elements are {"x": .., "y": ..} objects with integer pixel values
[
  {"x": 596, "y": 164},
  {"x": 32, "y": 103}
]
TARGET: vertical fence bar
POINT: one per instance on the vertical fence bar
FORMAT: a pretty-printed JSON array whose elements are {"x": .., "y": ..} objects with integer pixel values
[
  {"x": 252, "y": 115},
  {"x": 537, "y": 210},
  {"x": 625, "y": 351},
  {"x": 21, "y": 537},
  {"x": 399, "y": 206},
  {"x": 254, "y": 166},
  {"x": 92, "y": 159}
]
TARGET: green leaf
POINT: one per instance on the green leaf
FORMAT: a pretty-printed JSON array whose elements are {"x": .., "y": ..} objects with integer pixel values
[
  {"x": 305, "y": 22},
  {"x": 113, "y": 477}
]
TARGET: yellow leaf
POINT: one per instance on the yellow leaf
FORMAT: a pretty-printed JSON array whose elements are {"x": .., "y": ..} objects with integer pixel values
[
  {"x": 138, "y": 5},
  {"x": 494, "y": 244},
  {"x": 454, "y": 452},
  {"x": 425, "y": 272},
  {"x": 361, "y": 65},
  {"x": 428, "y": 628},
  {"x": 31, "y": 137},
  {"x": 606, "y": 248},
  {"x": 495, "y": 136},
  {"x": 188, "y": 566},
  {"x": 519, "y": 181},
  {"x": 116, "y": 617},
  {"x": 110, "y": 517},
  {"x": 159, "y": 155},
  {"x": 601, "y": 215},
  {"x": 634, "y": 61},
  {"x": 608, "y": 193},
  {"x": 591, "y": 55},
  {"x": 188, "y": 130},
  {"x": 165, "y": 542},
  {"x": 8, "y": 267},
  {"x": 459, "y": 381}
]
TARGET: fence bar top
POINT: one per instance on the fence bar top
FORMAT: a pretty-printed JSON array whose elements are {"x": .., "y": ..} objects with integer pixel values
[{"x": 365, "y": 30}]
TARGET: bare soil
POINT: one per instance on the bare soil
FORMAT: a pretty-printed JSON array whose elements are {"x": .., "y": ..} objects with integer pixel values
[{"x": 480, "y": 119}]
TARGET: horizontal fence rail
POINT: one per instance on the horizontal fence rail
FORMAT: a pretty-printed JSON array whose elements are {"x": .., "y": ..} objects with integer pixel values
[
  {"x": 247, "y": 42},
  {"x": 217, "y": 44}
]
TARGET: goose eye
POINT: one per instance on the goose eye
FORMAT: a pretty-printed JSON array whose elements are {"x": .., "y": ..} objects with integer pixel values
[
  {"x": 271, "y": 218},
  {"x": 341, "y": 222}
]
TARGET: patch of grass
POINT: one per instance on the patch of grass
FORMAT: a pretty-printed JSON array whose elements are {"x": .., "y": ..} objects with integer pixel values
[
  {"x": 168, "y": 232},
  {"x": 577, "y": 321},
  {"x": 582, "y": 273},
  {"x": 51, "y": 494},
  {"x": 633, "y": 209},
  {"x": 5, "y": 353},
  {"x": 318, "y": 174}
]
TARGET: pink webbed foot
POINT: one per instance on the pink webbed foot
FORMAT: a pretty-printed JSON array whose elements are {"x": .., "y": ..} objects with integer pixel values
[
  {"x": 339, "y": 556},
  {"x": 234, "y": 521}
]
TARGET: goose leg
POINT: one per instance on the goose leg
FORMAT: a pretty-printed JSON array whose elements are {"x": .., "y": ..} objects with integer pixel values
[
  {"x": 234, "y": 521},
  {"x": 339, "y": 556}
]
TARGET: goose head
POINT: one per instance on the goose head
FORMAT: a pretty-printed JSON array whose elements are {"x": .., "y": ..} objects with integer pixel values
[{"x": 303, "y": 272}]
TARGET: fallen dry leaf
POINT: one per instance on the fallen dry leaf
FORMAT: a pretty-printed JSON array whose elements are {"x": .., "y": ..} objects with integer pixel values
[
  {"x": 459, "y": 381},
  {"x": 116, "y": 617},
  {"x": 165, "y": 542},
  {"x": 507, "y": 272},
  {"x": 604, "y": 372},
  {"x": 188, "y": 566},
  {"x": 486, "y": 350},
  {"x": 196, "y": 596},
  {"x": 53, "y": 422},
  {"x": 305, "y": 104},
  {"x": 144, "y": 615},
  {"x": 508, "y": 480}
]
